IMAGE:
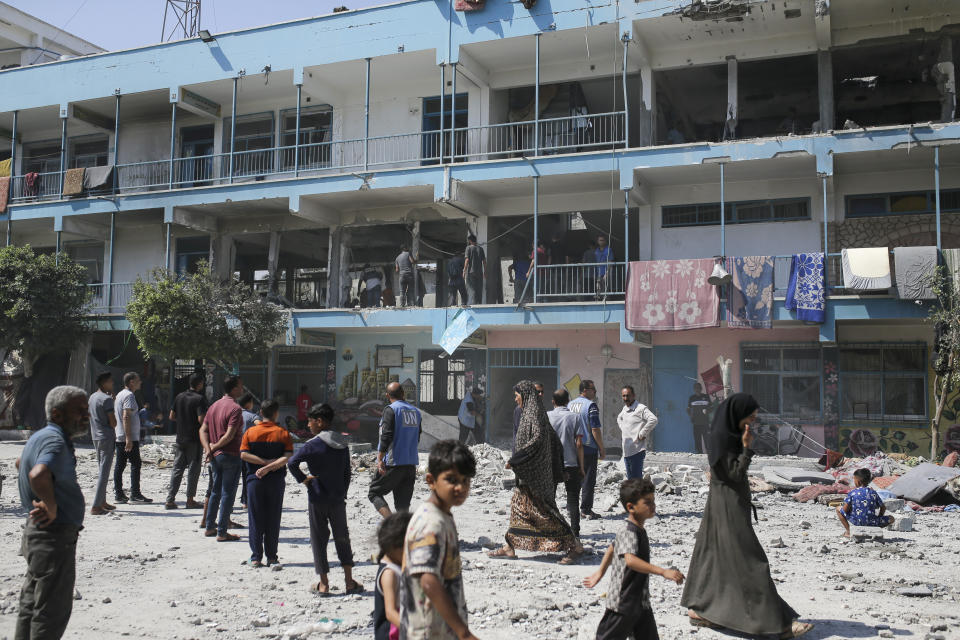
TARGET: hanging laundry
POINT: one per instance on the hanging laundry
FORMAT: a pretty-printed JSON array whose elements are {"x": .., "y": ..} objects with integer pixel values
[
  {"x": 750, "y": 293},
  {"x": 5, "y": 168},
  {"x": 866, "y": 269},
  {"x": 4, "y": 192},
  {"x": 96, "y": 177},
  {"x": 671, "y": 295},
  {"x": 73, "y": 182},
  {"x": 31, "y": 182},
  {"x": 915, "y": 267},
  {"x": 805, "y": 290}
]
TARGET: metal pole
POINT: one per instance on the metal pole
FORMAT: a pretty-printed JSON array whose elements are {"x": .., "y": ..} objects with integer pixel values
[
  {"x": 626, "y": 101},
  {"x": 443, "y": 92},
  {"x": 366, "y": 120},
  {"x": 63, "y": 153},
  {"x": 116, "y": 144},
  {"x": 723, "y": 220},
  {"x": 453, "y": 109},
  {"x": 626, "y": 226},
  {"x": 825, "y": 235},
  {"x": 536, "y": 112},
  {"x": 173, "y": 141},
  {"x": 167, "y": 254},
  {"x": 936, "y": 187},
  {"x": 296, "y": 140},
  {"x": 109, "y": 278},
  {"x": 536, "y": 208},
  {"x": 57, "y": 254},
  {"x": 233, "y": 128},
  {"x": 13, "y": 171}
]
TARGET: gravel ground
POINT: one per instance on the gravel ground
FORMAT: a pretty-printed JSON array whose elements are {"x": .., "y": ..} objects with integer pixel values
[{"x": 147, "y": 572}]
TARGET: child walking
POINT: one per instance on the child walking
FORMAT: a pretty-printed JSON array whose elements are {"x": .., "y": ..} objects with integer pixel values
[
  {"x": 629, "y": 614},
  {"x": 862, "y": 507},
  {"x": 434, "y": 607},
  {"x": 265, "y": 449},
  {"x": 386, "y": 600},
  {"x": 328, "y": 459}
]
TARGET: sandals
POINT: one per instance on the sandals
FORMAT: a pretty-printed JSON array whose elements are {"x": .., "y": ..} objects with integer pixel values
[
  {"x": 701, "y": 622},
  {"x": 503, "y": 552},
  {"x": 320, "y": 589},
  {"x": 796, "y": 630},
  {"x": 356, "y": 587}
]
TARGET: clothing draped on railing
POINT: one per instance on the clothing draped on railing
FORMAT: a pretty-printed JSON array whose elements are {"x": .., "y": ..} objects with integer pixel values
[
  {"x": 866, "y": 269},
  {"x": 750, "y": 293},
  {"x": 805, "y": 291},
  {"x": 670, "y": 295}
]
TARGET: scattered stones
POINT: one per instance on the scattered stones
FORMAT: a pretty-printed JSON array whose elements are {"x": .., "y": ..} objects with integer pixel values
[
  {"x": 916, "y": 592},
  {"x": 777, "y": 543},
  {"x": 106, "y": 601}
]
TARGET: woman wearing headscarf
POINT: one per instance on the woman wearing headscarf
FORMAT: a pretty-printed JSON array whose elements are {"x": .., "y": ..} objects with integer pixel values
[
  {"x": 729, "y": 583},
  {"x": 536, "y": 523}
]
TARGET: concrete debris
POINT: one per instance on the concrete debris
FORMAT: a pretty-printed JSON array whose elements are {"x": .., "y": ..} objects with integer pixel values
[{"x": 916, "y": 592}]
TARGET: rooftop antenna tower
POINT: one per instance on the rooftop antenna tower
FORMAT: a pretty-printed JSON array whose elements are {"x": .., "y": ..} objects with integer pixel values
[{"x": 181, "y": 20}]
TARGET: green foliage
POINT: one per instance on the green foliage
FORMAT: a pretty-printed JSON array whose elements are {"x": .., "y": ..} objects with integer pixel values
[
  {"x": 43, "y": 302},
  {"x": 199, "y": 317},
  {"x": 945, "y": 317}
]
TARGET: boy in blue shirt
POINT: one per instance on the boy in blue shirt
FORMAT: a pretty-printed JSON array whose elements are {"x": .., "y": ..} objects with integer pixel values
[{"x": 862, "y": 507}]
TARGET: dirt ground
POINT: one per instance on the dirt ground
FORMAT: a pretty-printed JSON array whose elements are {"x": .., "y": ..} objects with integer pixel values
[{"x": 147, "y": 572}]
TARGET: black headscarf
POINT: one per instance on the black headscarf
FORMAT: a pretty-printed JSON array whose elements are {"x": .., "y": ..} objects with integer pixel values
[{"x": 725, "y": 435}]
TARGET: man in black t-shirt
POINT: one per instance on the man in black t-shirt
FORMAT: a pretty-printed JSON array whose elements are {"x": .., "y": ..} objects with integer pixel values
[
  {"x": 473, "y": 270},
  {"x": 188, "y": 410},
  {"x": 698, "y": 408}
]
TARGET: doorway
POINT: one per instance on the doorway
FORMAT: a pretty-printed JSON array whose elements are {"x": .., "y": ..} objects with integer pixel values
[
  {"x": 507, "y": 368},
  {"x": 674, "y": 373},
  {"x": 196, "y": 151}
]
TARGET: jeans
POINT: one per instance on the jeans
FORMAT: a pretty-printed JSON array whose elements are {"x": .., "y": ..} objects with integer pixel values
[
  {"x": 457, "y": 286},
  {"x": 225, "y": 471},
  {"x": 699, "y": 437},
  {"x": 572, "y": 485},
  {"x": 46, "y": 598},
  {"x": 188, "y": 456},
  {"x": 406, "y": 291},
  {"x": 634, "y": 464},
  {"x": 105, "y": 451},
  {"x": 264, "y": 507},
  {"x": 124, "y": 456},
  {"x": 590, "y": 457},
  {"x": 373, "y": 296},
  {"x": 466, "y": 432},
  {"x": 474, "y": 290},
  {"x": 323, "y": 519},
  {"x": 518, "y": 287}
]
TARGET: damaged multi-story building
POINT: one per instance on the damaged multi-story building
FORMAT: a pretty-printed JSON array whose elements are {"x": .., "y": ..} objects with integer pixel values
[{"x": 299, "y": 156}]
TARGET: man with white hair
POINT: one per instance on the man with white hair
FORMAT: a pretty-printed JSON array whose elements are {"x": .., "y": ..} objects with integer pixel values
[{"x": 47, "y": 479}]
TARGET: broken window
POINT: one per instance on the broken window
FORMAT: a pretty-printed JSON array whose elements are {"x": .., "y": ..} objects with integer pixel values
[
  {"x": 883, "y": 382},
  {"x": 785, "y": 380}
]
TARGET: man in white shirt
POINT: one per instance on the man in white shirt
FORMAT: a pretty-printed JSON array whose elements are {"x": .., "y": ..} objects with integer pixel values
[{"x": 636, "y": 424}]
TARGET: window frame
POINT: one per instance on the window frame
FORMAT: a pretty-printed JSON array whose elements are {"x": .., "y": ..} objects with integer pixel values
[
  {"x": 783, "y": 373},
  {"x": 883, "y": 417},
  {"x": 730, "y": 212},
  {"x": 888, "y": 197}
]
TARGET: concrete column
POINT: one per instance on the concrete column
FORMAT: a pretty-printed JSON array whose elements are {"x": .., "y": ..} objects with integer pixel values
[
  {"x": 333, "y": 268},
  {"x": 944, "y": 73},
  {"x": 492, "y": 279},
  {"x": 730, "y": 125},
  {"x": 273, "y": 257},
  {"x": 415, "y": 252},
  {"x": 222, "y": 256},
  {"x": 644, "y": 112},
  {"x": 825, "y": 90}
]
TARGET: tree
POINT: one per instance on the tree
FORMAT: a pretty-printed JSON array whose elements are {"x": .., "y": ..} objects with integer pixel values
[
  {"x": 200, "y": 317},
  {"x": 43, "y": 301},
  {"x": 945, "y": 316}
]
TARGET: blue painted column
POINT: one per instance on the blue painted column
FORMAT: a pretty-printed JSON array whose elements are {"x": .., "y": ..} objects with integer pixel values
[
  {"x": 13, "y": 170},
  {"x": 366, "y": 119},
  {"x": 173, "y": 142},
  {"x": 63, "y": 151},
  {"x": 233, "y": 129},
  {"x": 626, "y": 228},
  {"x": 936, "y": 188},
  {"x": 723, "y": 216},
  {"x": 826, "y": 236},
  {"x": 109, "y": 278},
  {"x": 626, "y": 100},
  {"x": 536, "y": 229},
  {"x": 116, "y": 142},
  {"x": 443, "y": 92},
  {"x": 536, "y": 118},
  {"x": 167, "y": 250},
  {"x": 56, "y": 256},
  {"x": 296, "y": 139},
  {"x": 453, "y": 111}
]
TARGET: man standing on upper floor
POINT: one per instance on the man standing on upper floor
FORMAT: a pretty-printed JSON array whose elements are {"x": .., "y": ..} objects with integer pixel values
[
  {"x": 585, "y": 406},
  {"x": 404, "y": 266},
  {"x": 396, "y": 453},
  {"x": 220, "y": 437},
  {"x": 474, "y": 266},
  {"x": 567, "y": 425},
  {"x": 603, "y": 255},
  {"x": 47, "y": 480},
  {"x": 128, "y": 440},
  {"x": 103, "y": 425},
  {"x": 636, "y": 423},
  {"x": 455, "y": 282},
  {"x": 189, "y": 408}
]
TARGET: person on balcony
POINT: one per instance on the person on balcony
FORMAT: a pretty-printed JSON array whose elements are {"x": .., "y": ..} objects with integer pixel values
[
  {"x": 455, "y": 283},
  {"x": 517, "y": 272},
  {"x": 475, "y": 262},
  {"x": 602, "y": 254},
  {"x": 373, "y": 279},
  {"x": 404, "y": 265}
]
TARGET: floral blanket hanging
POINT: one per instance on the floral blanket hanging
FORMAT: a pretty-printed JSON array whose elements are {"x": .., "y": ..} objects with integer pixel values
[
  {"x": 671, "y": 295},
  {"x": 750, "y": 293}
]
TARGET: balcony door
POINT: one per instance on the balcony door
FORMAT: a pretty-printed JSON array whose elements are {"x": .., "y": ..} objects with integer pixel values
[
  {"x": 434, "y": 121},
  {"x": 196, "y": 151}
]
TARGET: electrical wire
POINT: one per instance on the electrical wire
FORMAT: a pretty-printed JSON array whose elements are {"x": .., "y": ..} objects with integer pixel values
[{"x": 63, "y": 28}]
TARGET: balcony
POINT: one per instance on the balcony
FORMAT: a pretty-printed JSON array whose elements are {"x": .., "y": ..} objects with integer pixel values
[
  {"x": 574, "y": 134},
  {"x": 109, "y": 298}
]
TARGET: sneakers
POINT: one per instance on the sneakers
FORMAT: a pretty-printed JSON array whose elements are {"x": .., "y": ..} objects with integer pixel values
[
  {"x": 170, "y": 505},
  {"x": 590, "y": 515},
  {"x": 121, "y": 498},
  {"x": 139, "y": 497}
]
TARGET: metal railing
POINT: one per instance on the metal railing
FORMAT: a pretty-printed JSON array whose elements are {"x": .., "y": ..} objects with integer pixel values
[
  {"x": 119, "y": 295},
  {"x": 571, "y": 134},
  {"x": 833, "y": 276},
  {"x": 580, "y": 282}
]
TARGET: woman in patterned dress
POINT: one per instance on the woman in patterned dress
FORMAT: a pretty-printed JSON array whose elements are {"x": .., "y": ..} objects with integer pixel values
[{"x": 536, "y": 523}]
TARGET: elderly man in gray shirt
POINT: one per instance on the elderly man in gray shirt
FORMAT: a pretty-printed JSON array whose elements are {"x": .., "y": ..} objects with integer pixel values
[
  {"x": 569, "y": 429},
  {"x": 103, "y": 422}
]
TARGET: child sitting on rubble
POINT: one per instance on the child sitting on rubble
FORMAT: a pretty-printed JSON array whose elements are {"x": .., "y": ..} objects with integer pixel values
[
  {"x": 386, "y": 600},
  {"x": 862, "y": 507},
  {"x": 629, "y": 614}
]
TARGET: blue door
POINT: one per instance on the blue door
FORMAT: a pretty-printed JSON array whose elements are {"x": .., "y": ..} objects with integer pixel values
[{"x": 674, "y": 373}]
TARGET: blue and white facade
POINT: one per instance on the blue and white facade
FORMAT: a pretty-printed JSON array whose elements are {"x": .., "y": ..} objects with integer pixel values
[{"x": 293, "y": 155}]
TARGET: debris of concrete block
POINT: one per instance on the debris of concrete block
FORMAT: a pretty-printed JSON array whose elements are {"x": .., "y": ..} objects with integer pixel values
[
  {"x": 893, "y": 504},
  {"x": 903, "y": 522},
  {"x": 921, "y": 591},
  {"x": 508, "y": 480},
  {"x": 862, "y": 534},
  {"x": 777, "y": 543},
  {"x": 920, "y": 483}
]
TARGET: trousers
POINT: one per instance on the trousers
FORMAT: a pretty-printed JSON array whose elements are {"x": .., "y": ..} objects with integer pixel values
[
  {"x": 323, "y": 519},
  {"x": 46, "y": 598},
  {"x": 633, "y": 465},
  {"x": 466, "y": 432},
  {"x": 373, "y": 296},
  {"x": 618, "y": 626},
  {"x": 398, "y": 480},
  {"x": 457, "y": 287},
  {"x": 124, "y": 456},
  {"x": 590, "y": 457},
  {"x": 572, "y": 485},
  {"x": 188, "y": 457},
  {"x": 264, "y": 507},
  {"x": 406, "y": 291},
  {"x": 474, "y": 290},
  {"x": 224, "y": 471},
  {"x": 105, "y": 450}
]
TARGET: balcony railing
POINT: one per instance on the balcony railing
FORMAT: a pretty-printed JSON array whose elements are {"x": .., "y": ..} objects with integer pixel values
[
  {"x": 572, "y": 134},
  {"x": 579, "y": 282},
  {"x": 110, "y": 298}
]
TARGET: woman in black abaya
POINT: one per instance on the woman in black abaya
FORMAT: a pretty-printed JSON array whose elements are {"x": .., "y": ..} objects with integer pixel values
[{"x": 729, "y": 584}]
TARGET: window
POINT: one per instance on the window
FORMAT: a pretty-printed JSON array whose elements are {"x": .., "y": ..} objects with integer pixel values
[
  {"x": 785, "y": 380},
  {"x": 253, "y": 138},
  {"x": 433, "y": 120},
  {"x": 907, "y": 203},
  {"x": 88, "y": 151},
  {"x": 190, "y": 252},
  {"x": 446, "y": 380},
  {"x": 41, "y": 157},
  {"x": 689, "y": 215},
  {"x": 883, "y": 382},
  {"x": 315, "y": 130}
]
